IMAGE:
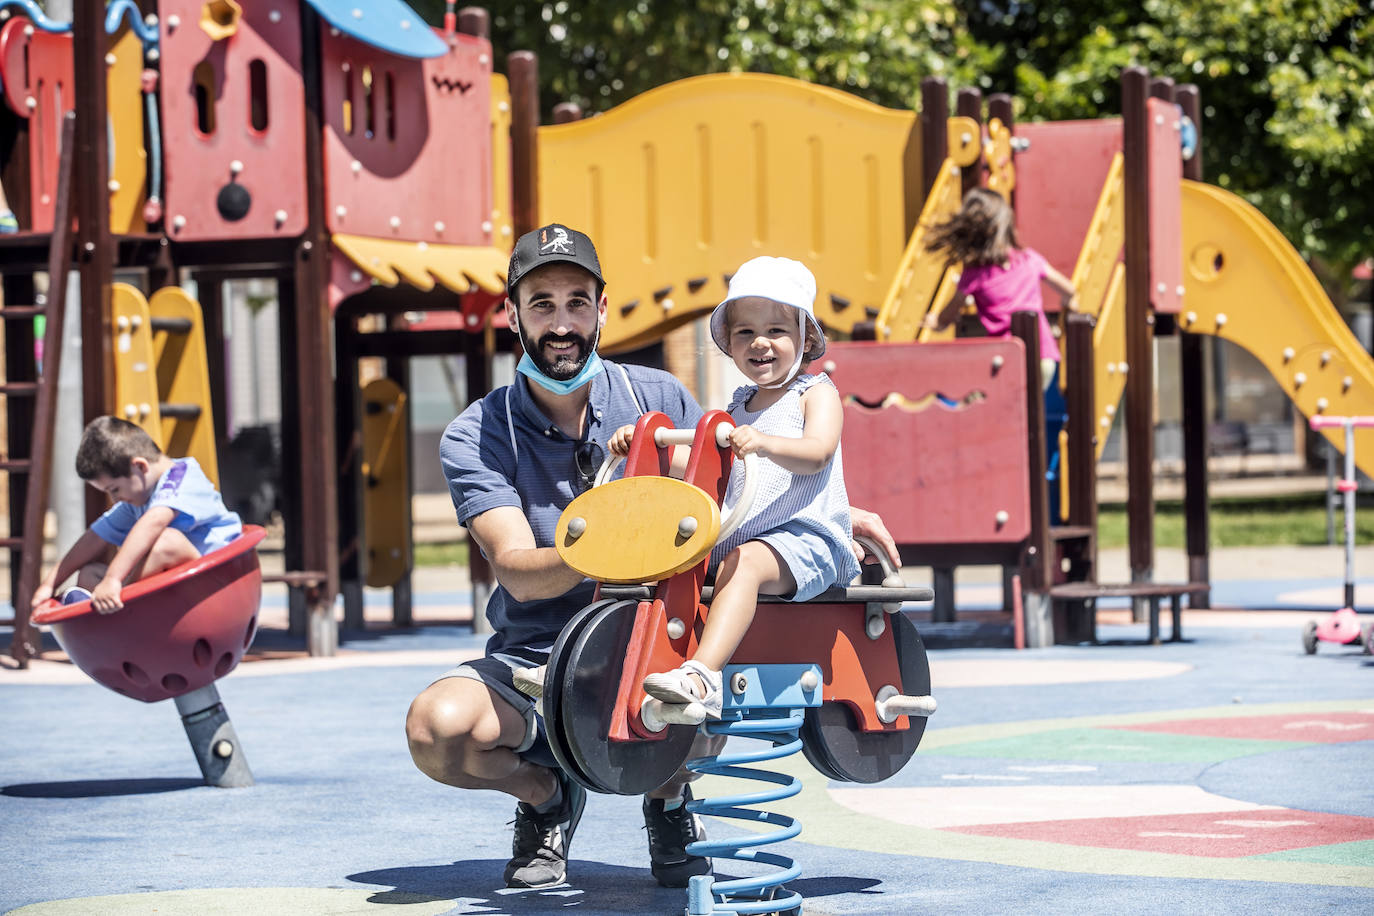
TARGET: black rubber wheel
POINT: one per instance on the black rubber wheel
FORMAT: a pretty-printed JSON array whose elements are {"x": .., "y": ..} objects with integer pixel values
[
  {"x": 588, "y": 671},
  {"x": 838, "y": 748},
  {"x": 553, "y": 680},
  {"x": 1309, "y": 638}
]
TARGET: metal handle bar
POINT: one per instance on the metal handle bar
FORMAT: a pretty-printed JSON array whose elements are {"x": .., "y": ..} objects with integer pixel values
[{"x": 731, "y": 516}]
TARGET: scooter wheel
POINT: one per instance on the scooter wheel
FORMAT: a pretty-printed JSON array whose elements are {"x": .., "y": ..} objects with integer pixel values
[
  {"x": 1368, "y": 639},
  {"x": 1309, "y": 637}
]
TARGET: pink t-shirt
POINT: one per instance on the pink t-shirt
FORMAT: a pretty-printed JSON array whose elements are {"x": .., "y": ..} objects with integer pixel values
[{"x": 999, "y": 290}]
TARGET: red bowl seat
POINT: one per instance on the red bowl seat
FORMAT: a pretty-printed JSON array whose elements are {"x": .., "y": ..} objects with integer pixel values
[{"x": 178, "y": 631}]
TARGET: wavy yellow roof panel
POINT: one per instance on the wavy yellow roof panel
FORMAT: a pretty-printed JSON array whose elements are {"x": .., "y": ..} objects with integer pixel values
[{"x": 459, "y": 268}]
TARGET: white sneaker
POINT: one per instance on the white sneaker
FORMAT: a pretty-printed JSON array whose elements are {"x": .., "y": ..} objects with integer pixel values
[
  {"x": 677, "y": 688},
  {"x": 529, "y": 681}
]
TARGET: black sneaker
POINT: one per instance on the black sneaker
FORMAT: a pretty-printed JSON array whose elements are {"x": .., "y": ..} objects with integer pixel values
[
  {"x": 669, "y": 834},
  {"x": 540, "y": 848}
]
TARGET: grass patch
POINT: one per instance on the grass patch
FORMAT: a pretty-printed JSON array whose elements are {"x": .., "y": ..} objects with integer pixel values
[
  {"x": 442, "y": 553},
  {"x": 1295, "y": 520}
]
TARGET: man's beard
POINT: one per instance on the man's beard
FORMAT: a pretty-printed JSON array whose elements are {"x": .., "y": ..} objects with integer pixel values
[{"x": 567, "y": 364}]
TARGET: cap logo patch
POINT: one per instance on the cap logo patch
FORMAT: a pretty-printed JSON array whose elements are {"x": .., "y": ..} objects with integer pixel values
[{"x": 561, "y": 243}]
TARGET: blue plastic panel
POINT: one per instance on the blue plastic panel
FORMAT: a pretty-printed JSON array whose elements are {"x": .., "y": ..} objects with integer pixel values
[{"x": 390, "y": 25}]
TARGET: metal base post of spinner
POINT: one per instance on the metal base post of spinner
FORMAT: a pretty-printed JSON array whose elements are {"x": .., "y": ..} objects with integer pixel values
[{"x": 767, "y": 703}]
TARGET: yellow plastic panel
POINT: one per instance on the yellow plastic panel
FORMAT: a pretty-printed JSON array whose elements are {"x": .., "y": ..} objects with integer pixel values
[
  {"x": 997, "y": 154},
  {"x": 129, "y": 170},
  {"x": 135, "y": 367},
  {"x": 183, "y": 377},
  {"x": 386, "y": 483},
  {"x": 1109, "y": 353},
  {"x": 502, "y": 209},
  {"x": 1101, "y": 249},
  {"x": 963, "y": 138},
  {"x": 919, "y": 273},
  {"x": 1245, "y": 282},
  {"x": 632, "y": 529},
  {"x": 457, "y": 267},
  {"x": 683, "y": 183},
  {"x": 948, "y": 287}
]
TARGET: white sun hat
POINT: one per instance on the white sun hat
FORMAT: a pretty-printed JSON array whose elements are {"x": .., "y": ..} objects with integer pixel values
[{"x": 781, "y": 280}]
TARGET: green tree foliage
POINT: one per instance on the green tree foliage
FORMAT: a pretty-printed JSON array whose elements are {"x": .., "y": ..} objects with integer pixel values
[
  {"x": 1287, "y": 88},
  {"x": 601, "y": 54},
  {"x": 1287, "y": 85}
]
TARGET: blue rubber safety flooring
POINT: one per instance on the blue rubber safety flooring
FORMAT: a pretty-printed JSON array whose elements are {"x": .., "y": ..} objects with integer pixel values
[{"x": 102, "y": 809}]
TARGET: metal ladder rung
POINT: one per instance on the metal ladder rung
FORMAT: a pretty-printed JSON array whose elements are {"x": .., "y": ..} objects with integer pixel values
[
  {"x": 16, "y": 312},
  {"x": 11, "y": 542},
  {"x": 172, "y": 325},
  {"x": 19, "y": 389},
  {"x": 180, "y": 411},
  {"x": 16, "y": 465}
]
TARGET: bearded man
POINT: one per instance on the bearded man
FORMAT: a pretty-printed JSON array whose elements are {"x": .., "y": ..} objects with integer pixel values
[{"x": 513, "y": 461}]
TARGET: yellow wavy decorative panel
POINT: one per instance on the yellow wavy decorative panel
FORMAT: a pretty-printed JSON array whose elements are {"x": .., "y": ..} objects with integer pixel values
[{"x": 683, "y": 183}]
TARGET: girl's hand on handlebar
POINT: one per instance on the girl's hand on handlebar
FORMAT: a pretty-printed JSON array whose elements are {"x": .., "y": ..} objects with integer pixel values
[{"x": 746, "y": 440}]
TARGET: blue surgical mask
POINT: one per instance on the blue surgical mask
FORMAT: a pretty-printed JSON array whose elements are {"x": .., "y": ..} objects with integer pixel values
[{"x": 590, "y": 369}]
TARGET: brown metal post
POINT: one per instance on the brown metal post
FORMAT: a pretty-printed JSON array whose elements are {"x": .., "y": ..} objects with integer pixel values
[
  {"x": 95, "y": 248},
  {"x": 347, "y": 421},
  {"x": 1037, "y": 573},
  {"x": 968, "y": 103},
  {"x": 398, "y": 370},
  {"x": 522, "y": 69},
  {"x": 1140, "y": 448},
  {"x": 478, "y": 351},
  {"x": 567, "y": 112},
  {"x": 210, "y": 294},
  {"x": 474, "y": 20},
  {"x": 1077, "y": 623},
  {"x": 1193, "y": 391},
  {"x": 315, "y": 472},
  {"x": 934, "y": 136}
]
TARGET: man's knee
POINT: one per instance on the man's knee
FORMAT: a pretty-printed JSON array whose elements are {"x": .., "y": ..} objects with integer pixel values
[{"x": 449, "y": 720}]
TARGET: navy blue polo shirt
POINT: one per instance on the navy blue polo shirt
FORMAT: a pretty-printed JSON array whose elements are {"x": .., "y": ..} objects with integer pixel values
[{"x": 538, "y": 474}]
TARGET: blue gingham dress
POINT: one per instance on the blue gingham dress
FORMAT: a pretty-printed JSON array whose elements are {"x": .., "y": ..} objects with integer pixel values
[{"x": 805, "y": 518}]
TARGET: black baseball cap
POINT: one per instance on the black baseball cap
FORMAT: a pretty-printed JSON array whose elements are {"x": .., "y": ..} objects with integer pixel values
[{"x": 551, "y": 244}]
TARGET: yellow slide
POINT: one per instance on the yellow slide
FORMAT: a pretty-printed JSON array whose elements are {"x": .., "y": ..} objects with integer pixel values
[{"x": 1246, "y": 283}]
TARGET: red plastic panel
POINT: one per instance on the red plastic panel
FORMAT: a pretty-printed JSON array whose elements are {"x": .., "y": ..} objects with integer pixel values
[
  {"x": 178, "y": 630},
  {"x": 407, "y": 143},
  {"x": 935, "y": 437},
  {"x": 238, "y": 103},
  {"x": 1166, "y": 207},
  {"x": 1058, "y": 181},
  {"x": 37, "y": 66}
]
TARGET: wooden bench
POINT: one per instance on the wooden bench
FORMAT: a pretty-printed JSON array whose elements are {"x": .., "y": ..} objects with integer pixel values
[{"x": 1174, "y": 591}]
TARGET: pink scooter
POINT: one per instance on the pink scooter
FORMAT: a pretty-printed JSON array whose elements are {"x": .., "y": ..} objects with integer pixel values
[{"x": 1343, "y": 627}]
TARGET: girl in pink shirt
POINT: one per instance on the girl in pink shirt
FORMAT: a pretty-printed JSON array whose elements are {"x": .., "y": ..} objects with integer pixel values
[{"x": 1000, "y": 275}]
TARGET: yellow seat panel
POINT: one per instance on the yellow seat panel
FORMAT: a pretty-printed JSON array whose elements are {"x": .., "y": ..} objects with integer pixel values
[{"x": 632, "y": 529}]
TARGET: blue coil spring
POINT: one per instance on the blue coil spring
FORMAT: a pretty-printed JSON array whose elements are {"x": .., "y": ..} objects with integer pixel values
[{"x": 758, "y": 894}]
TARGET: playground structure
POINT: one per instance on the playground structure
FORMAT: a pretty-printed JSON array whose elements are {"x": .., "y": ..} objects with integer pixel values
[
  {"x": 178, "y": 632},
  {"x": 373, "y": 168},
  {"x": 845, "y": 679}
]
